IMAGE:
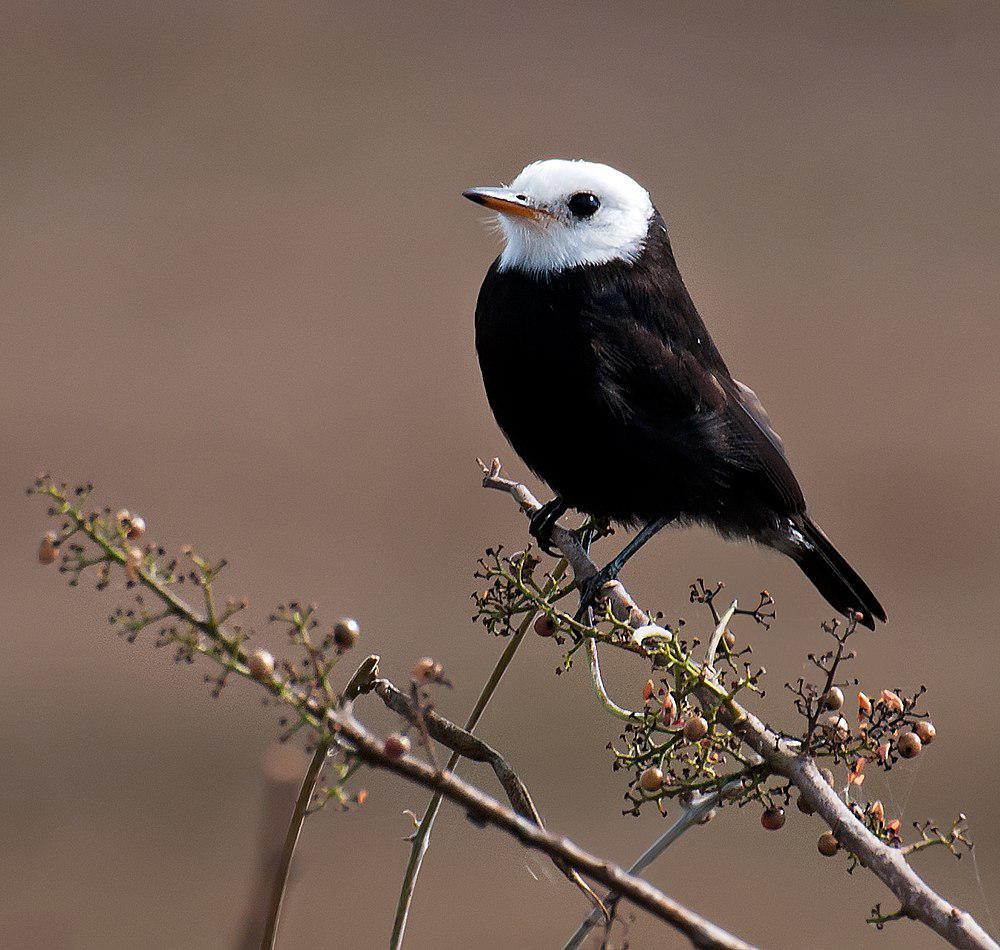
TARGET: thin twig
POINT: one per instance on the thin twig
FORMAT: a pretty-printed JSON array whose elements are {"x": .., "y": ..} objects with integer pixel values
[
  {"x": 781, "y": 757},
  {"x": 693, "y": 814},
  {"x": 602, "y": 694},
  {"x": 291, "y": 840},
  {"x": 357, "y": 682},
  {"x": 421, "y": 837}
]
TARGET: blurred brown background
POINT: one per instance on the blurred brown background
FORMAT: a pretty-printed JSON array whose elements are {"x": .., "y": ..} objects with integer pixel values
[{"x": 238, "y": 283}]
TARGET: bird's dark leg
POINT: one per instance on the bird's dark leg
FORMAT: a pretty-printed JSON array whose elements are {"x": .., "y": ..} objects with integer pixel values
[
  {"x": 590, "y": 588},
  {"x": 544, "y": 520}
]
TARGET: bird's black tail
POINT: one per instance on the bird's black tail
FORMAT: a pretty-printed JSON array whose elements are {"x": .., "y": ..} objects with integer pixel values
[{"x": 833, "y": 577}]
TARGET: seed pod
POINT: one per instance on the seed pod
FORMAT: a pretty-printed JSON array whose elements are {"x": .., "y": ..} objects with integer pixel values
[
  {"x": 136, "y": 528},
  {"x": 878, "y": 812},
  {"x": 804, "y": 806},
  {"x": 669, "y": 708},
  {"x": 828, "y": 844},
  {"x": 47, "y": 550},
  {"x": 864, "y": 705},
  {"x": 346, "y": 632},
  {"x": 123, "y": 516},
  {"x": 261, "y": 665},
  {"x": 833, "y": 698},
  {"x": 545, "y": 626},
  {"x": 695, "y": 729},
  {"x": 729, "y": 639},
  {"x": 651, "y": 779},
  {"x": 925, "y": 731},
  {"x": 909, "y": 745},
  {"x": 648, "y": 691},
  {"x": 396, "y": 745},
  {"x": 773, "y": 819}
]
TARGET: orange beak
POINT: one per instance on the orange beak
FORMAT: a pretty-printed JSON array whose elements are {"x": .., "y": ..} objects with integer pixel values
[{"x": 505, "y": 201}]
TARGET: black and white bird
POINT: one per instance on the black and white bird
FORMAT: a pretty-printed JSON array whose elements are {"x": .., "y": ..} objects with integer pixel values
[{"x": 587, "y": 294}]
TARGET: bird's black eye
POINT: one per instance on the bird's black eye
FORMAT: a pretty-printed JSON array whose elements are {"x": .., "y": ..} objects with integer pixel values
[{"x": 583, "y": 204}]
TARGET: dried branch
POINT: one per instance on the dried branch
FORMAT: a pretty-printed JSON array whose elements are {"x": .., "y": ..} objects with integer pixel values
[
  {"x": 329, "y": 717},
  {"x": 780, "y": 755},
  {"x": 483, "y": 809}
]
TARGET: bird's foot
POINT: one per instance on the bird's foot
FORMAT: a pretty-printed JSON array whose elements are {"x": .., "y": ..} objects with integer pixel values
[
  {"x": 592, "y": 590},
  {"x": 543, "y": 522}
]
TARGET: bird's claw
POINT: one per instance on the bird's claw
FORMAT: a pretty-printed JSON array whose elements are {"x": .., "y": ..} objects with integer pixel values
[
  {"x": 592, "y": 590},
  {"x": 543, "y": 522}
]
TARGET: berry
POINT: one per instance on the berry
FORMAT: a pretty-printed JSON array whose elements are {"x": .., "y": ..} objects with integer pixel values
[
  {"x": 346, "y": 632},
  {"x": 545, "y": 626},
  {"x": 47, "y": 549},
  {"x": 652, "y": 779},
  {"x": 833, "y": 698},
  {"x": 804, "y": 806},
  {"x": 695, "y": 729},
  {"x": 135, "y": 528},
  {"x": 925, "y": 731},
  {"x": 261, "y": 665},
  {"x": 828, "y": 844},
  {"x": 773, "y": 818},
  {"x": 909, "y": 745}
]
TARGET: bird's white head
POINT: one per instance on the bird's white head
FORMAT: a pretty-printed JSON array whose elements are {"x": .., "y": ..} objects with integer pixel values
[{"x": 560, "y": 214}]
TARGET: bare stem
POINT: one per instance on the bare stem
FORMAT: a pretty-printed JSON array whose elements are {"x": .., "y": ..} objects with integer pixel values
[
  {"x": 421, "y": 837},
  {"x": 291, "y": 840}
]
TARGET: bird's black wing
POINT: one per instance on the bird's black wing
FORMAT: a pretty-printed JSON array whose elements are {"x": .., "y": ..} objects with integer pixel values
[{"x": 661, "y": 372}]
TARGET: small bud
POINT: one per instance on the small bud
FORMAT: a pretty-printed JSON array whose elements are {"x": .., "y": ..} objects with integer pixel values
[
  {"x": 123, "y": 516},
  {"x": 878, "y": 812},
  {"x": 925, "y": 731},
  {"x": 545, "y": 626},
  {"x": 864, "y": 705},
  {"x": 651, "y": 779},
  {"x": 261, "y": 665},
  {"x": 136, "y": 528},
  {"x": 729, "y": 639},
  {"x": 804, "y": 806},
  {"x": 773, "y": 819},
  {"x": 396, "y": 745},
  {"x": 346, "y": 632},
  {"x": 426, "y": 670},
  {"x": 827, "y": 777},
  {"x": 833, "y": 698},
  {"x": 648, "y": 691},
  {"x": 669, "y": 708},
  {"x": 695, "y": 729},
  {"x": 47, "y": 550},
  {"x": 890, "y": 699},
  {"x": 909, "y": 745},
  {"x": 133, "y": 561},
  {"x": 827, "y": 844}
]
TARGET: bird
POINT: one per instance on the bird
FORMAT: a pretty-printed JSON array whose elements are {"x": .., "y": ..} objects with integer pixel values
[{"x": 586, "y": 296}]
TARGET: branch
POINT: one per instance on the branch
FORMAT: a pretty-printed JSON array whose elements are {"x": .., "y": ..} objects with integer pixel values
[
  {"x": 486, "y": 810},
  {"x": 465, "y": 745},
  {"x": 331, "y": 718},
  {"x": 781, "y": 756}
]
